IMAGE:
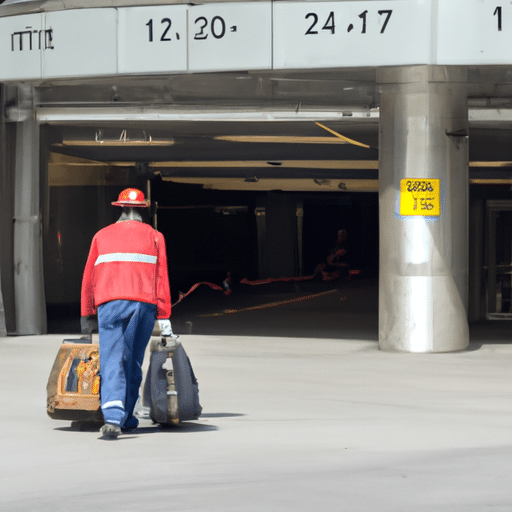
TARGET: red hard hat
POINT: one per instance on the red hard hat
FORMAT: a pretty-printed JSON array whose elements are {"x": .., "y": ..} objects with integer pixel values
[{"x": 131, "y": 197}]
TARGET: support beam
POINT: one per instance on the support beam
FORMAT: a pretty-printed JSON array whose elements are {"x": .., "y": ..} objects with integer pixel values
[
  {"x": 277, "y": 236},
  {"x": 423, "y": 259},
  {"x": 3, "y": 207},
  {"x": 28, "y": 260}
]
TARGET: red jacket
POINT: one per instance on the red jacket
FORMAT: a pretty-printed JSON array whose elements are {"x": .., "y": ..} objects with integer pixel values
[{"x": 127, "y": 261}]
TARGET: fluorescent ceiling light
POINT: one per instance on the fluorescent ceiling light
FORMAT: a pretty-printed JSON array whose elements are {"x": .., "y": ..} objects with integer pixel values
[
  {"x": 297, "y": 164},
  {"x": 279, "y": 139}
]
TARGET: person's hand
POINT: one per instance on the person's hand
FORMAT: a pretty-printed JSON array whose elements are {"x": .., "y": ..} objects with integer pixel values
[{"x": 165, "y": 327}]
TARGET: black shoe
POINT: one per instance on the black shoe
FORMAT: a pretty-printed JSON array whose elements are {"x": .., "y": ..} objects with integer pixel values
[
  {"x": 130, "y": 424},
  {"x": 110, "y": 431}
]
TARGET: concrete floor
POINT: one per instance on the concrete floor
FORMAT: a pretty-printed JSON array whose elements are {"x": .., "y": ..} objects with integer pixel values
[{"x": 310, "y": 417}]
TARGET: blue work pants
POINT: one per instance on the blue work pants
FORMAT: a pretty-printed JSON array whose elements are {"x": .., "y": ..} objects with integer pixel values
[{"x": 125, "y": 328}]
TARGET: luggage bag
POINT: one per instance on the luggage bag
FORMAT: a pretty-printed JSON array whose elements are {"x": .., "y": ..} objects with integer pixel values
[
  {"x": 170, "y": 389},
  {"x": 73, "y": 389}
]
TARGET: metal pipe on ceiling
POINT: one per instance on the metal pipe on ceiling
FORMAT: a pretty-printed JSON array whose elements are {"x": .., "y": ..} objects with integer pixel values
[{"x": 95, "y": 115}]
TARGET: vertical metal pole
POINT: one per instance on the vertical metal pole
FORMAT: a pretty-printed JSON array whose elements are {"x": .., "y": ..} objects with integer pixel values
[
  {"x": 491, "y": 261},
  {"x": 3, "y": 330},
  {"x": 476, "y": 261},
  {"x": 28, "y": 261},
  {"x": 261, "y": 227},
  {"x": 423, "y": 260},
  {"x": 300, "y": 231}
]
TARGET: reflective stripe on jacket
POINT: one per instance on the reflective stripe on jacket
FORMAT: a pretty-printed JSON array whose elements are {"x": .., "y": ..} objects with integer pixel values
[
  {"x": 127, "y": 261},
  {"x": 125, "y": 256}
]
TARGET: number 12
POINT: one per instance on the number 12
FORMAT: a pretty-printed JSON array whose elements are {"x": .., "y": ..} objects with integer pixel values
[{"x": 164, "y": 37}]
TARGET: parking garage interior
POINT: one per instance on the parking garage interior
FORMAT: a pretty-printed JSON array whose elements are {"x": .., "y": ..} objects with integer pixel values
[
  {"x": 228, "y": 200},
  {"x": 216, "y": 220},
  {"x": 250, "y": 173},
  {"x": 211, "y": 184}
]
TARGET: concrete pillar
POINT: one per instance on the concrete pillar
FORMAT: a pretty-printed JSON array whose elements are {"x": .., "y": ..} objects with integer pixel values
[
  {"x": 7, "y": 143},
  {"x": 277, "y": 236},
  {"x": 3, "y": 159},
  {"x": 28, "y": 261},
  {"x": 423, "y": 258}
]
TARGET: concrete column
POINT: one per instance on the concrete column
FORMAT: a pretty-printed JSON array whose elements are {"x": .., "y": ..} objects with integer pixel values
[
  {"x": 281, "y": 235},
  {"x": 28, "y": 261},
  {"x": 7, "y": 153},
  {"x": 3, "y": 159},
  {"x": 276, "y": 221},
  {"x": 423, "y": 259}
]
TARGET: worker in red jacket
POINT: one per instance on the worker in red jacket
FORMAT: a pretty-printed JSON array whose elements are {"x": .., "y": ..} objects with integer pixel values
[{"x": 126, "y": 284}]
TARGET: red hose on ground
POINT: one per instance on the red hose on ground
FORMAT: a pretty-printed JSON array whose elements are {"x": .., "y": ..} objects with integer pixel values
[
  {"x": 332, "y": 276},
  {"x": 197, "y": 285}
]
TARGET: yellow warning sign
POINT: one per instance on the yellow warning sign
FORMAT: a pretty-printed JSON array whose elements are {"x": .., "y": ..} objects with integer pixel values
[{"x": 420, "y": 197}]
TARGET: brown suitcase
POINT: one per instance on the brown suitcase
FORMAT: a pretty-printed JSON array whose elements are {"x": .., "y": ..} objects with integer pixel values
[{"x": 73, "y": 389}]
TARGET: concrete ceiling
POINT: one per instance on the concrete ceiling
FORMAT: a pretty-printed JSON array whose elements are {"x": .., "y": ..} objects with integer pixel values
[{"x": 261, "y": 125}]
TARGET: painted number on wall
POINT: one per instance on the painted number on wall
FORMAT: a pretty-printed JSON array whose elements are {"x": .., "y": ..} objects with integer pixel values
[
  {"x": 330, "y": 25},
  {"x": 164, "y": 35},
  {"x": 420, "y": 197},
  {"x": 498, "y": 12}
]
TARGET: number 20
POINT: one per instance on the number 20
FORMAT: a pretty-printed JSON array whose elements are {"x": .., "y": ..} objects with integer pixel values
[{"x": 217, "y": 27}]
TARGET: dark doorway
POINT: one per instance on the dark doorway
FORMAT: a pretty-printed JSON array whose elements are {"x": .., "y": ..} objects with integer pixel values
[{"x": 324, "y": 215}]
